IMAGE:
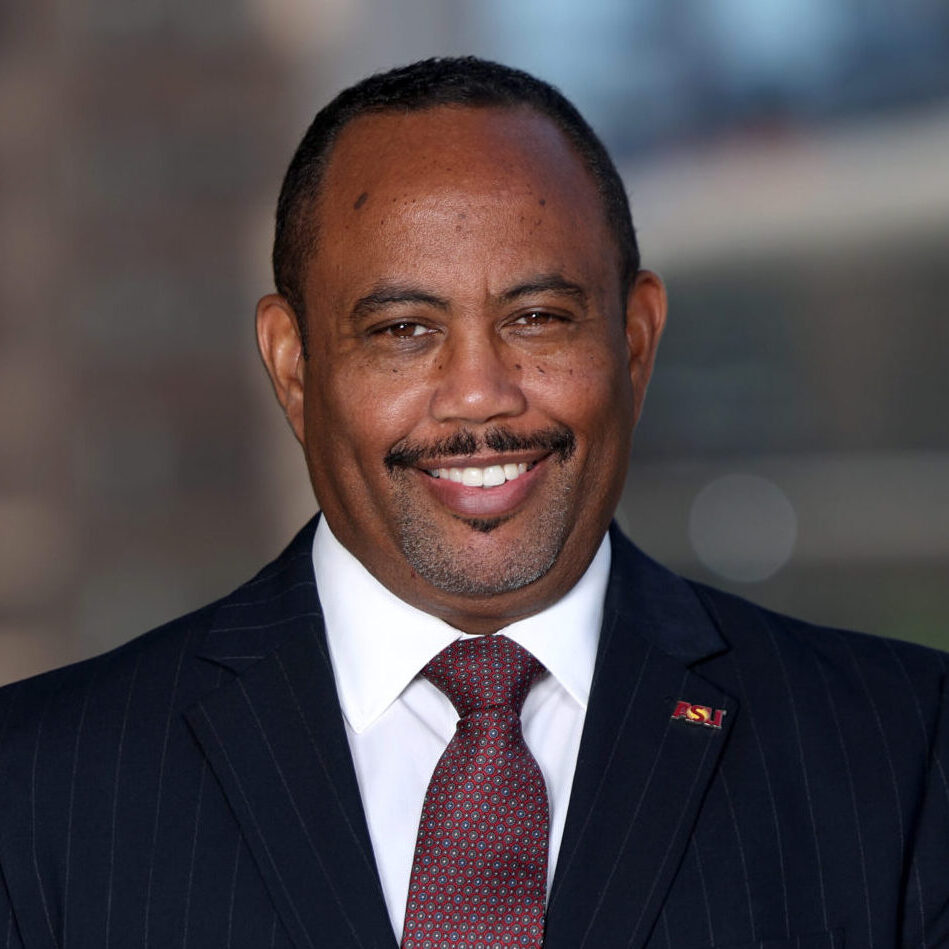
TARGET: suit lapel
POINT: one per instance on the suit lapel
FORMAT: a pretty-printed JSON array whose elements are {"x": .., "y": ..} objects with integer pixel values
[
  {"x": 275, "y": 740},
  {"x": 641, "y": 774}
]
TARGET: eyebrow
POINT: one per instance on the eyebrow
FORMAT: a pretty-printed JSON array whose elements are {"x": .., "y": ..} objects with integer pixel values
[
  {"x": 387, "y": 295},
  {"x": 545, "y": 283}
]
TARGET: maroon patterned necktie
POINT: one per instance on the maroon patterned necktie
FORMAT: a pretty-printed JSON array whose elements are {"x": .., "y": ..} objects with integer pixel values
[{"x": 479, "y": 876}]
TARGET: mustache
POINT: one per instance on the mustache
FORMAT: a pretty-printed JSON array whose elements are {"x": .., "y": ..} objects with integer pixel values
[{"x": 558, "y": 440}]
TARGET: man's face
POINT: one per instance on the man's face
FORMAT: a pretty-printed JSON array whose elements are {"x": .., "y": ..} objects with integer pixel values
[{"x": 474, "y": 370}]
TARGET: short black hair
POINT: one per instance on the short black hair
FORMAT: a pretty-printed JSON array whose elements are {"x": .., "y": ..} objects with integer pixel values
[{"x": 463, "y": 81}]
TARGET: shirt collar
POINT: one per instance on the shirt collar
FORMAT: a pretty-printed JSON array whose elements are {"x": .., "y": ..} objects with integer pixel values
[{"x": 378, "y": 642}]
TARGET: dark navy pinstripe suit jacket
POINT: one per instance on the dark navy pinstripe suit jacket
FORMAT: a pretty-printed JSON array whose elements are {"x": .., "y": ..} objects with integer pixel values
[{"x": 195, "y": 788}]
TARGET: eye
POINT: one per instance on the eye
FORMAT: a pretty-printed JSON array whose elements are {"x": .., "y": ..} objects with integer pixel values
[
  {"x": 405, "y": 329},
  {"x": 536, "y": 319}
]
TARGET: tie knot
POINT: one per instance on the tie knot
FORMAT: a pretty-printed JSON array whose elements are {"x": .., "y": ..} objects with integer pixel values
[{"x": 482, "y": 673}]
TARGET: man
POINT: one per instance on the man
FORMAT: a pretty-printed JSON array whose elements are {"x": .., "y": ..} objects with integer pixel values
[{"x": 461, "y": 340}]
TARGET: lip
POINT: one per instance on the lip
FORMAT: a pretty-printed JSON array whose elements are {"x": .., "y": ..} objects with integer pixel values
[
  {"x": 483, "y": 460},
  {"x": 497, "y": 501}
]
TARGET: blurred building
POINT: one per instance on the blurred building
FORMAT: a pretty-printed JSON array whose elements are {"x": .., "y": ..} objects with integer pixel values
[
  {"x": 139, "y": 168},
  {"x": 786, "y": 163},
  {"x": 794, "y": 446}
]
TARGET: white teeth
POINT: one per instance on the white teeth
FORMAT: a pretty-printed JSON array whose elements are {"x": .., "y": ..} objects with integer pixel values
[
  {"x": 489, "y": 477},
  {"x": 472, "y": 477},
  {"x": 493, "y": 476}
]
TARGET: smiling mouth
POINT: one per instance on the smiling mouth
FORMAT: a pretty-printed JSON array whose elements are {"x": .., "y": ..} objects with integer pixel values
[
  {"x": 490, "y": 476},
  {"x": 483, "y": 491}
]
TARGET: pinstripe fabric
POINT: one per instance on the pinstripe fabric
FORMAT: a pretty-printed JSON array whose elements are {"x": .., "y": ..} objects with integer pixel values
[{"x": 194, "y": 788}]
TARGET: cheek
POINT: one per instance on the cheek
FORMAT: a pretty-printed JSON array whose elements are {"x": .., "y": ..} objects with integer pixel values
[
  {"x": 358, "y": 412},
  {"x": 589, "y": 390},
  {"x": 593, "y": 396}
]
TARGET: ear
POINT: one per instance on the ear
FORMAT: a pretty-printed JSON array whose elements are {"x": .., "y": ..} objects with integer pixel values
[
  {"x": 278, "y": 338},
  {"x": 646, "y": 307}
]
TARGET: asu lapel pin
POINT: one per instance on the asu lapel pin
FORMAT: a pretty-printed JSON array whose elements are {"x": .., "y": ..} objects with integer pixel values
[{"x": 699, "y": 714}]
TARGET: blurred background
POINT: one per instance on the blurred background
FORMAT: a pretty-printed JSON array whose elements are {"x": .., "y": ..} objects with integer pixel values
[{"x": 788, "y": 162}]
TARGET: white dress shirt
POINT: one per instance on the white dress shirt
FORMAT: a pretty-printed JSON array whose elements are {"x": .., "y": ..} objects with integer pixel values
[{"x": 399, "y": 724}]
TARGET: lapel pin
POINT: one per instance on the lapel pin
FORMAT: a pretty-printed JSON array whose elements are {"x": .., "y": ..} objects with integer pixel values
[{"x": 699, "y": 714}]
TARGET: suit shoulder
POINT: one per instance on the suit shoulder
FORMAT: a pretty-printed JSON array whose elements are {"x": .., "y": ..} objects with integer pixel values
[
  {"x": 63, "y": 692},
  {"x": 875, "y": 663},
  {"x": 727, "y": 607},
  {"x": 138, "y": 683}
]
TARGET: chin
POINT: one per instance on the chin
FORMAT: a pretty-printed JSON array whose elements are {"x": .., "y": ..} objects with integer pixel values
[{"x": 490, "y": 562}]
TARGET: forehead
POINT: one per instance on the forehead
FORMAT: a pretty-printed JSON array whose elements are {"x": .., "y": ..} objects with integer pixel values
[
  {"x": 459, "y": 143},
  {"x": 471, "y": 161}
]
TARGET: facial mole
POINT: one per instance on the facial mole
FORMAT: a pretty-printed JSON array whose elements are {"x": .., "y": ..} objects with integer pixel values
[
  {"x": 360, "y": 201},
  {"x": 517, "y": 365},
  {"x": 542, "y": 202}
]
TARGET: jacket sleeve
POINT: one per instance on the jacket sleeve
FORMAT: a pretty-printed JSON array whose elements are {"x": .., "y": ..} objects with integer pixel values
[
  {"x": 926, "y": 906},
  {"x": 9, "y": 931}
]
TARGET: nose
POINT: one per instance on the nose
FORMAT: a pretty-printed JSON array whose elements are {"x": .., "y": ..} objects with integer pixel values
[{"x": 478, "y": 380}]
